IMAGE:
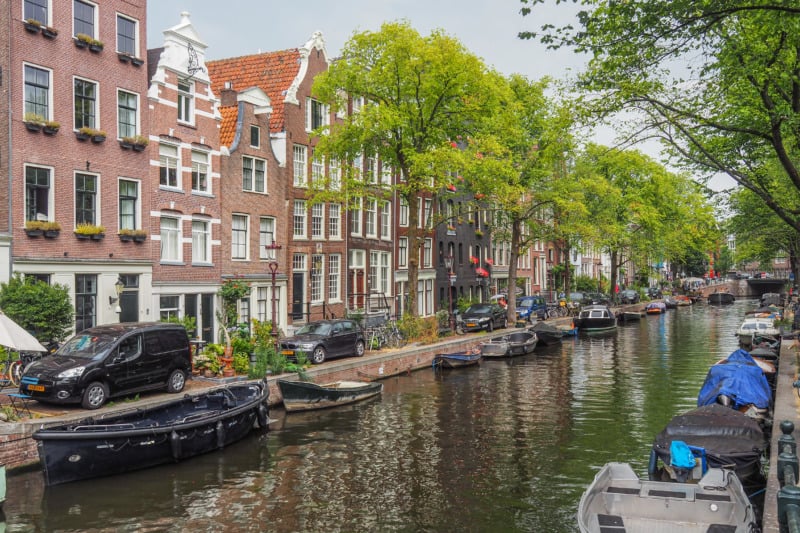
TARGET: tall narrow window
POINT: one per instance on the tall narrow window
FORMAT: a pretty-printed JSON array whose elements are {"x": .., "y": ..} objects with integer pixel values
[
  {"x": 386, "y": 220},
  {"x": 317, "y": 169},
  {"x": 199, "y": 171},
  {"x": 299, "y": 219},
  {"x": 334, "y": 221},
  {"x": 317, "y": 275},
  {"x": 127, "y": 114},
  {"x": 403, "y": 212},
  {"x": 37, "y": 193},
  {"x": 266, "y": 237},
  {"x": 372, "y": 170},
  {"x": 37, "y": 91},
  {"x": 427, "y": 256},
  {"x": 372, "y": 278},
  {"x": 186, "y": 101},
  {"x": 300, "y": 170},
  {"x": 316, "y": 114},
  {"x": 126, "y": 36},
  {"x": 255, "y": 136},
  {"x": 383, "y": 275},
  {"x": 201, "y": 242},
  {"x": 36, "y": 10},
  {"x": 355, "y": 217},
  {"x": 254, "y": 174},
  {"x": 370, "y": 214},
  {"x": 85, "y": 104},
  {"x": 170, "y": 239},
  {"x": 128, "y": 204},
  {"x": 239, "y": 237},
  {"x": 83, "y": 21},
  {"x": 85, "y": 199},
  {"x": 334, "y": 277},
  {"x": 85, "y": 301},
  {"x": 168, "y": 165},
  {"x": 402, "y": 252},
  {"x": 317, "y": 220},
  {"x": 334, "y": 174}
]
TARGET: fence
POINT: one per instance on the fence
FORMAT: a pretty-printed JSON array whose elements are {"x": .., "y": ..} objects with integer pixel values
[{"x": 789, "y": 493}]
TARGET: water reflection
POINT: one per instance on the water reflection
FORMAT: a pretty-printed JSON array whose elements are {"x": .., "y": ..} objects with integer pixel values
[{"x": 507, "y": 446}]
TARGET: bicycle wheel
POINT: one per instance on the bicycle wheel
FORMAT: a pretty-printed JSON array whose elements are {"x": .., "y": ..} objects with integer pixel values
[{"x": 15, "y": 372}]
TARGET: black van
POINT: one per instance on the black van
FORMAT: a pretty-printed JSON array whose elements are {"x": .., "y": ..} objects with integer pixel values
[{"x": 111, "y": 360}]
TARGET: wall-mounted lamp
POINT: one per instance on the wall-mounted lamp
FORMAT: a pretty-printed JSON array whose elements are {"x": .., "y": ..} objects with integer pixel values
[{"x": 119, "y": 286}]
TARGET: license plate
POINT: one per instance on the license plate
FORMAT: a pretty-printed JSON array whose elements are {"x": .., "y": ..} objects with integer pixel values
[
  {"x": 471, "y": 324},
  {"x": 287, "y": 352},
  {"x": 37, "y": 388}
]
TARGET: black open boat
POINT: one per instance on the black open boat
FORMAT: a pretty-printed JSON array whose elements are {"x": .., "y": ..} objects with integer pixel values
[
  {"x": 521, "y": 342},
  {"x": 141, "y": 438},
  {"x": 547, "y": 333},
  {"x": 306, "y": 396}
]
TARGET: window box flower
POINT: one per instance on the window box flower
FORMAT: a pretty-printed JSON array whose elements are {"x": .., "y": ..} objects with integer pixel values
[
  {"x": 451, "y": 187},
  {"x": 451, "y": 230},
  {"x": 34, "y": 228},
  {"x": 82, "y": 40},
  {"x": 96, "y": 46},
  {"x": 34, "y": 122},
  {"x": 473, "y": 260},
  {"x": 137, "y": 62},
  {"x": 49, "y": 32},
  {"x": 137, "y": 235},
  {"x": 32, "y": 25},
  {"x": 51, "y": 230},
  {"x": 478, "y": 233},
  {"x": 90, "y": 231},
  {"x": 125, "y": 58},
  {"x": 51, "y": 127},
  {"x": 97, "y": 136}
]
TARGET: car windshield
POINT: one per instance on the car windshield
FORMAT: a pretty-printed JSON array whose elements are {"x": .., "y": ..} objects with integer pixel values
[
  {"x": 478, "y": 309},
  {"x": 527, "y": 302},
  {"x": 314, "y": 329},
  {"x": 86, "y": 346},
  {"x": 576, "y": 296}
]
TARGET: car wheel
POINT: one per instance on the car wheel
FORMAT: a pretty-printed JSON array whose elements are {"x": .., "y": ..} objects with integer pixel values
[
  {"x": 94, "y": 396},
  {"x": 176, "y": 381},
  {"x": 359, "y": 348},
  {"x": 318, "y": 355}
]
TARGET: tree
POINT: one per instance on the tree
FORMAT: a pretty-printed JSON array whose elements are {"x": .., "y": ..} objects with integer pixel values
[
  {"x": 717, "y": 81},
  {"x": 42, "y": 309},
  {"x": 421, "y": 95}
]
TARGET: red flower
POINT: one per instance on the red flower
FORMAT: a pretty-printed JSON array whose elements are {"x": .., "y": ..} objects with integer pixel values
[
  {"x": 481, "y": 272},
  {"x": 489, "y": 261},
  {"x": 451, "y": 187},
  {"x": 453, "y": 144},
  {"x": 480, "y": 196},
  {"x": 473, "y": 260}
]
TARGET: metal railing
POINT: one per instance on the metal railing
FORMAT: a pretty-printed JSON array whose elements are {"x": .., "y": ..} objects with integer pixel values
[{"x": 789, "y": 493}]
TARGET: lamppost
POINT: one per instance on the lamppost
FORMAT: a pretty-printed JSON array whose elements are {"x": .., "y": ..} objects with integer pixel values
[
  {"x": 119, "y": 286},
  {"x": 448, "y": 263},
  {"x": 599, "y": 275},
  {"x": 273, "y": 270}
]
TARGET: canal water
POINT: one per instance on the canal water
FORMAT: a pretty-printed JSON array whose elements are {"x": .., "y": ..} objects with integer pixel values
[{"x": 507, "y": 446}]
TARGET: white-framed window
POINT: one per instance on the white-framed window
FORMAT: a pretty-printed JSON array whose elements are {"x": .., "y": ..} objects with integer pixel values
[
  {"x": 200, "y": 171},
  {"x": 358, "y": 166},
  {"x": 87, "y": 188},
  {"x": 372, "y": 277},
  {"x": 299, "y": 229},
  {"x": 262, "y": 295},
  {"x": 334, "y": 277},
  {"x": 186, "y": 101},
  {"x": 85, "y": 94},
  {"x": 127, "y": 114},
  {"x": 355, "y": 216},
  {"x": 37, "y": 10},
  {"x": 318, "y": 221},
  {"x": 317, "y": 114},
  {"x": 427, "y": 255},
  {"x": 170, "y": 239},
  {"x": 84, "y": 19},
  {"x": 266, "y": 237},
  {"x": 370, "y": 216},
  {"x": 358, "y": 103},
  {"x": 403, "y": 212},
  {"x": 317, "y": 277},
  {"x": 334, "y": 174},
  {"x": 299, "y": 262},
  {"x": 129, "y": 204},
  {"x": 372, "y": 170},
  {"x": 334, "y": 221},
  {"x": 386, "y": 174},
  {"x": 255, "y": 136},
  {"x": 386, "y": 220},
  {"x": 39, "y": 194},
  {"x": 127, "y": 36},
  {"x": 317, "y": 169},
  {"x": 168, "y": 165},
  {"x": 300, "y": 153},
  {"x": 402, "y": 252},
  {"x": 37, "y": 91},
  {"x": 201, "y": 241},
  {"x": 383, "y": 273},
  {"x": 239, "y": 225},
  {"x": 357, "y": 258},
  {"x": 254, "y": 174},
  {"x": 428, "y": 216}
]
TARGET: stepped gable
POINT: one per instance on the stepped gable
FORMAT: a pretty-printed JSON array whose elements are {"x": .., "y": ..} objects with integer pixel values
[{"x": 272, "y": 72}]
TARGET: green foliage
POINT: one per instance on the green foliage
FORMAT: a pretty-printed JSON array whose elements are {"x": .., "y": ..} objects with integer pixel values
[
  {"x": 258, "y": 370},
  {"x": 44, "y": 310},
  {"x": 188, "y": 322},
  {"x": 410, "y": 326},
  {"x": 241, "y": 363},
  {"x": 463, "y": 303},
  {"x": 231, "y": 291}
]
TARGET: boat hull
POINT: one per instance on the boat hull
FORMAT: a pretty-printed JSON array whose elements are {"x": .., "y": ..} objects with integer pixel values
[
  {"x": 521, "y": 342},
  {"x": 305, "y": 396},
  {"x": 162, "y": 434},
  {"x": 721, "y": 298},
  {"x": 547, "y": 334},
  {"x": 595, "y": 318},
  {"x": 456, "y": 360},
  {"x": 495, "y": 348}
]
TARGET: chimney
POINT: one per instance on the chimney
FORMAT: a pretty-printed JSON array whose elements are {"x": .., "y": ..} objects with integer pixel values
[{"x": 228, "y": 96}]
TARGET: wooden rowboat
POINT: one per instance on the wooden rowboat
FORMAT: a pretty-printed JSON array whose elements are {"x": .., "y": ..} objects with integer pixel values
[
  {"x": 305, "y": 396},
  {"x": 456, "y": 360}
]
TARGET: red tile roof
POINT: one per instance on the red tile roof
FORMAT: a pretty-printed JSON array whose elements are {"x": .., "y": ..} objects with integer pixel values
[
  {"x": 227, "y": 129},
  {"x": 273, "y": 72}
]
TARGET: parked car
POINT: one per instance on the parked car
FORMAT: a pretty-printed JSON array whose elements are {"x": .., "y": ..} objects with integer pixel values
[
  {"x": 629, "y": 296},
  {"x": 531, "y": 307},
  {"x": 111, "y": 360},
  {"x": 596, "y": 298},
  {"x": 577, "y": 297},
  {"x": 654, "y": 292},
  {"x": 484, "y": 316},
  {"x": 325, "y": 339}
]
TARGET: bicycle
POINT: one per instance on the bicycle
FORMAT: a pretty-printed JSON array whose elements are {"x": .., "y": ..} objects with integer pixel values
[
  {"x": 11, "y": 371},
  {"x": 394, "y": 337}
]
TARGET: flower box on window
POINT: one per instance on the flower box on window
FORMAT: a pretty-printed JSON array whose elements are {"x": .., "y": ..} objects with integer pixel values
[
  {"x": 137, "y": 62},
  {"x": 32, "y": 25},
  {"x": 90, "y": 231},
  {"x": 473, "y": 260},
  {"x": 49, "y": 32},
  {"x": 125, "y": 58},
  {"x": 136, "y": 235},
  {"x": 37, "y": 228},
  {"x": 82, "y": 40},
  {"x": 478, "y": 233},
  {"x": 34, "y": 122},
  {"x": 51, "y": 127}
]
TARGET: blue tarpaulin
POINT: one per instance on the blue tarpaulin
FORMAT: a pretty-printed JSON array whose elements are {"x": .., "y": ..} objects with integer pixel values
[{"x": 738, "y": 378}]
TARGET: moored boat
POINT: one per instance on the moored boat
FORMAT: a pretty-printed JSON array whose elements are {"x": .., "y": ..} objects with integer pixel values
[
  {"x": 521, "y": 342},
  {"x": 739, "y": 382},
  {"x": 655, "y": 308},
  {"x": 497, "y": 347},
  {"x": 596, "y": 318},
  {"x": 754, "y": 326},
  {"x": 630, "y": 316},
  {"x": 721, "y": 298},
  {"x": 618, "y": 500},
  {"x": 681, "y": 300},
  {"x": 457, "y": 359},
  {"x": 305, "y": 396},
  {"x": 142, "y": 438},
  {"x": 547, "y": 333}
]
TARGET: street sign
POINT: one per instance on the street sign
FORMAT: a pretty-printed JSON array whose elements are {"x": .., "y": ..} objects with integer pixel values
[{"x": 452, "y": 279}]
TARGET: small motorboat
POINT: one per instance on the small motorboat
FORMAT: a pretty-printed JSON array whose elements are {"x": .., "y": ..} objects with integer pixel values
[
  {"x": 305, "y": 396},
  {"x": 629, "y": 316},
  {"x": 141, "y": 438},
  {"x": 681, "y": 300},
  {"x": 521, "y": 342},
  {"x": 596, "y": 318},
  {"x": 721, "y": 298},
  {"x": 753, "y": 326},
  {"x": 670, "y": 302},
  {"x": 547, "y": 333},
  {"x": 457, "y": 359},
  {"x": 655, "y": 308},
  {"x": 618, "y": 500},
  {"x": 739, "y": 382},
  {"x": 497, "y": 347}
]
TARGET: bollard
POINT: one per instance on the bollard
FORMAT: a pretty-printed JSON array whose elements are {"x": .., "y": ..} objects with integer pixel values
[
  {"x": 786, "y": 439},
  {"x": 789, "y": 508}
]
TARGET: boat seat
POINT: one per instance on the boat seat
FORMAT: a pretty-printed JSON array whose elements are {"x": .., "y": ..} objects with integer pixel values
[
  {"x": 610, "y": 523},
  {"x": 19, "y": 403}
]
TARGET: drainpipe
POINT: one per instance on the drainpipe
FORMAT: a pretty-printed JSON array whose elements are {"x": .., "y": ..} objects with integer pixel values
[{"x": 9, "y": 153}]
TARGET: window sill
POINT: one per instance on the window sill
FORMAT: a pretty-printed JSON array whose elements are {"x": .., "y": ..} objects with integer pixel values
[
  {"x": 203, "y": 194},
  {"x": 202, "y": 264},
  {"x": 187, "y": 124},
  {"x": 172, "y": 263},
  {"x": 169, "y": 188}
]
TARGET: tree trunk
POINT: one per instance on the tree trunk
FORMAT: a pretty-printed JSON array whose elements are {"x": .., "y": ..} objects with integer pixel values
[
  {"x": 516, "y": 235},
  {"x": 414, "y": 245},
  {"x": 613, "y": 276}
]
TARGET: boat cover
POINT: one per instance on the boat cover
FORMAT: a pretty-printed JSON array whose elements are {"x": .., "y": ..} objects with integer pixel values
[
  {"x": 727, "y": 436},
  {"x": 740, "y": 378}
]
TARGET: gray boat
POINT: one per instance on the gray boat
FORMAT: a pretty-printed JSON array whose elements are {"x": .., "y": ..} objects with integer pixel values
[{"x": 618, "y": 500}]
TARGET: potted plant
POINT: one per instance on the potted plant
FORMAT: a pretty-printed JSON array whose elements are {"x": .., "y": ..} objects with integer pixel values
[
  {"x": 51, "y": 229},
  {"x": 96, "y": 46},
  {"x": 90, "y": 231},
  {"x": 34, "y": 121},
  {"x": 126, "y": 143},
  {"x": 49, "y": 32},
  {"x": 451, "y": 230},
  {"x": 139, "y": 235},
  {"x": 32, "y": 25},
  {"x": 82, "y": 40},
  {"x": 124, "y": 57},
  {"x": 231, "y": 291},
  {"x": 140, "y": 142},
  {"x": 127, "y": 235},
  {"x": 34, "y": 228},
  {"x": 51, "y": 127},
  {"x": 84, "y": 133},
  {"x": 98, "y": 136},
  {"x": 478, "y": 233},
  {"x": 137, "y": 62}
]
